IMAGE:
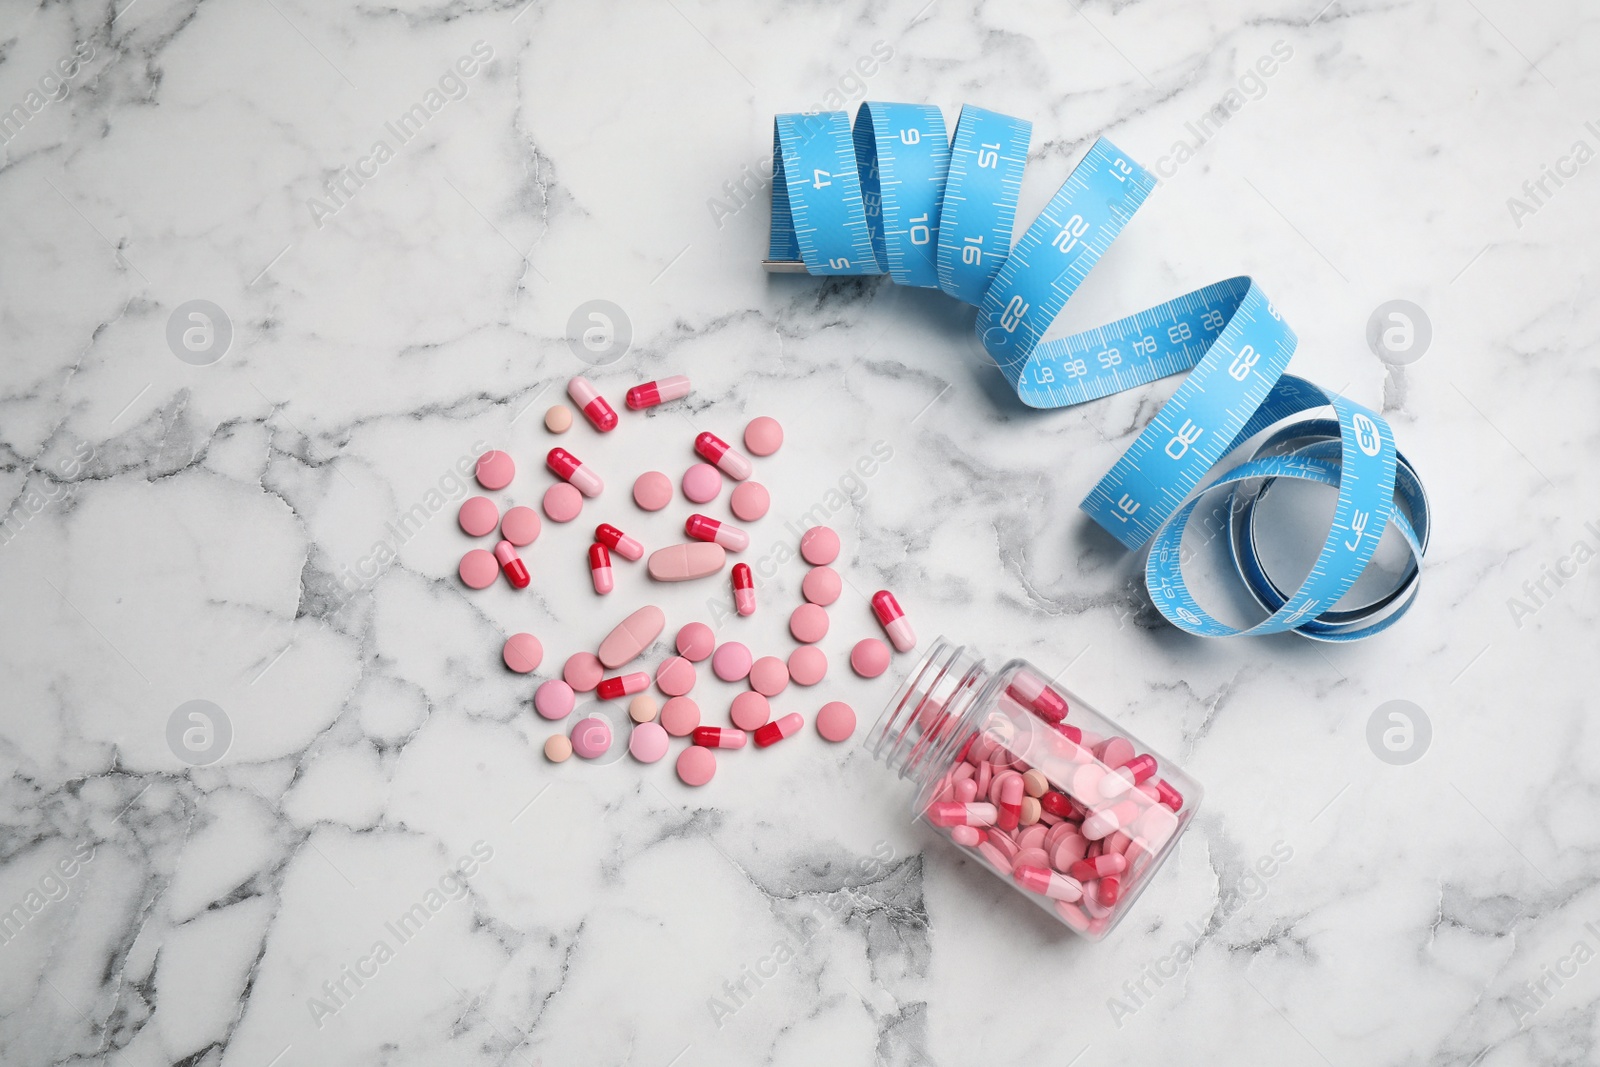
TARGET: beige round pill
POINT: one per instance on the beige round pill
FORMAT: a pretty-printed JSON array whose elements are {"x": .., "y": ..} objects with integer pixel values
[
  {"x": 642, "y": 708},
  {"x": 1034, "y": 783},
  {"x": 1030, "y": 811},
  {"x": 557, "y": 748},
  {"x": 558, "y": 419}
]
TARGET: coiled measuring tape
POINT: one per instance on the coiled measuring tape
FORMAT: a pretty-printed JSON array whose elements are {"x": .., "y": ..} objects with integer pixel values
[{"x": 893, "y": 195}]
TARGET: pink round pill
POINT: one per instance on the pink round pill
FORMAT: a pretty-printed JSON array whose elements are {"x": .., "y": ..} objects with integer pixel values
[
  {"x": 648, "y": 742},
  {"x": 821, "y": 585},
  {"x": 495, "y": 469},
  {"x": 478, "y": 515},
  {"x": 696, "y": 642},
  {"x": 675, "y": 676},
  {"x": 749, "y": 501},
  {"x": 836, "y": 721},
  {"x": 731, "y": 661},
  {"x": 819, "y": 545},
  {"x": 769, "y": 676},
  {"x": 763, "y": 436},
  {"x": 809, "y": 624},
  {"x": 652, "y": 490},
  {"x": 696, "y": 765},
  {"x": 808, "y": 665},
  {"x": 479, "y": 568},
  {"x": 591, "y": 737},
  {"x": 702, "y": 482},
  {"x": 523, "y": 653},
  {"x": 870, "y": 657},
  {"x": 679, "y": 716},
  {"x": 562, "y": 502},
  {"x": 554, "y": 699},
  {"x": 583, "y": 671},
  {"x": 750, "y": 711},
  {"x": 520, "y": 526}
]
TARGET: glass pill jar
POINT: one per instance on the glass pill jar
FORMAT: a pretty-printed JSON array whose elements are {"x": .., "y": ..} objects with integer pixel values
[{"x": 1073, "y": 811}]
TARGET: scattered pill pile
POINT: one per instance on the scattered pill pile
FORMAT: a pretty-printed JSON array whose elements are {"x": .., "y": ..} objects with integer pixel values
[{"x": 702, "y": 555}]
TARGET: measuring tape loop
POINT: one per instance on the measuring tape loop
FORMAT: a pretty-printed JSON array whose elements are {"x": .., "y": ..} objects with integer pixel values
[{"x": 893, "y": 195}]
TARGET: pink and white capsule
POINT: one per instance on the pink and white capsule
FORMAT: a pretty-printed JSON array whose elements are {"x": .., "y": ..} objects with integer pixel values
[
  {"x": 650, "y": 394},
  {"x": 717, "y": 452},
  {"x": 566, "y": 467},
  {"x": 618, "y": 542},
  {"x": 744, "y": 589},
  {"x": 1135, "y": 772},
  {"x": 893, "y": 621},
  {"x": 949, "y": 813},
  {"x": 1119, "y": 816},
  {"x": 624, "y": 685},
  {"x": 705, "y": 528},
  {"x": 600, "y": 569},
  {"x": 595, "y": 408},
  {"x": 1045, "y": 882}
]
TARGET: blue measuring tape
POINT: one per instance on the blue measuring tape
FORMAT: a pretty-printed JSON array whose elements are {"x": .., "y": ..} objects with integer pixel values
[{"x": 893, "y": 195}]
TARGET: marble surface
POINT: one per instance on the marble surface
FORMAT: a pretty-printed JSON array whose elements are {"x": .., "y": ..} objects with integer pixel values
[{"x": 274, "y": 533}]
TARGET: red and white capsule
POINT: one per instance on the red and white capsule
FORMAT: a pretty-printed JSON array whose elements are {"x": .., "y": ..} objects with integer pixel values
[
  {"x": 718, "y": 737},
  {"x": 1118, "y": 816},
  {"x": 717, "y": 452},
  {"x": 1104, "y": 865},
  {"x": 1011, "y": 790},
  {"x": 1169, "y": 796},
  {"x": 744, "y": 589},
  {"x": 600, "y": 569},
  {"x": 511, "y": 564},
  {"x": 705, "y": 528},
  {"x": 567, "y": 468},
  {"x": 595, "y": 408},
  {"x": 778, "y": 729},
  {"x": 951, "y": 813},
  {"x": 660, "y": 391},
  {"x": 1135, "y": 772},
  {"x": 618, "y": 542},
  {"x": 623, "y": 685},
  {"x": 1048, "y": 883},
  {"x": 893, "y": 621}
]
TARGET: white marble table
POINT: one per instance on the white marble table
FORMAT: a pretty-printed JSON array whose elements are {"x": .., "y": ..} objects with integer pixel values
[{"x": 274, "y": 532}]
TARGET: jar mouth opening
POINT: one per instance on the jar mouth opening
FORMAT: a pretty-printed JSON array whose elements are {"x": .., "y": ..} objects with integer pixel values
[{"x": 922, "y": 719}]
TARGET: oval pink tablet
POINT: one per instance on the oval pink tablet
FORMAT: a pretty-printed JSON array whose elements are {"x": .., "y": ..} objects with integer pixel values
[
  {"x": 591, "y": 737},
  {"x": 648, "y": 742},
  {"x": 808, "y": 665},
  {"x": 495, "y": 469},
  {"x": 520, "y": 526},
  {"x": 554, "y": 699},
  {"x": 809, "y": 624},
  {"x": 478, "y": 515},
  {"x": 821, "y": 585},
  {"x": 696, "y": 765},
  {"x": 836, "y": 721},
  {"x": 675, "y": 676},
  {"x": 681, "y": 563},
  {"x": 583, "y": 671},
  {"x": 652, "y": 490},
  {"x": 731, "y": 661},
  {"x": 632, "y": 636},
  {"x": 769, "y": 676},
  {"x": 819, "y": 545},
  {"x": 562, "y": 502},
  {"x": 702, "y": 482},
  {"x": 749, "y": 501},
  {"x": 523, "y": 653},
  {"x": 870, "y": 657},
  {"x": 679, "y": 716},
  {"x": 750, "y": 711},
  {"x": 479, "y": 568},
  {"x": 763, "y": 436},
  {"x": 696, "y": 642}
]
